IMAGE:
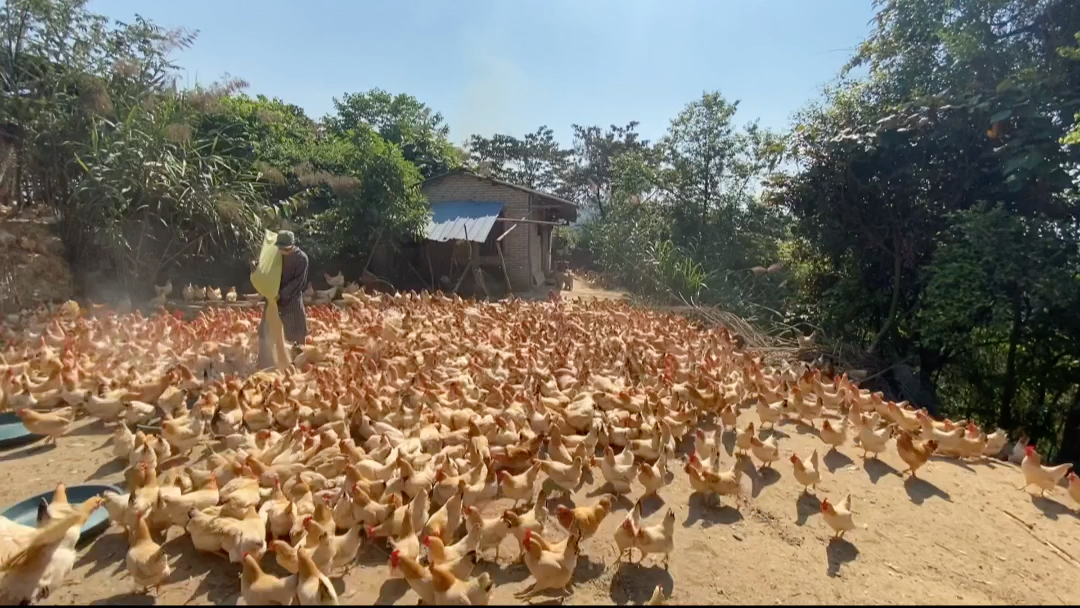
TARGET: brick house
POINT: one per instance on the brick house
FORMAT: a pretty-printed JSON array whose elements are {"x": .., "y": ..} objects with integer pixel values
[{"x": 502, "y": 228}]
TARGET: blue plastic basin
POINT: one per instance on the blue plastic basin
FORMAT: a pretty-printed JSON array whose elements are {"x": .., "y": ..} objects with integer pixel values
[
  {"x": 25, "y": 512},
  {"x": 13, "y": 433}
]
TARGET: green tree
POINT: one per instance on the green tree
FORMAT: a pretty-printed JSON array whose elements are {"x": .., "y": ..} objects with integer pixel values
[
  {"x": 588, "y": 177},
  {"x": 534, "y": 161},
  {"x": 935, "y": 207},
  {"x": 402, "y": 120}
]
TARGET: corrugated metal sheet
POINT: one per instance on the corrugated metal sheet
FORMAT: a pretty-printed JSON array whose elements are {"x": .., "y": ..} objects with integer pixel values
[{"x": 462, "y": 220}]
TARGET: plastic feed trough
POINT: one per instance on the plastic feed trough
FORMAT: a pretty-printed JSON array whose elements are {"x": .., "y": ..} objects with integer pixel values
[
  {"x": 13, "y": 433},
  {"x": 25, "y": 512}
]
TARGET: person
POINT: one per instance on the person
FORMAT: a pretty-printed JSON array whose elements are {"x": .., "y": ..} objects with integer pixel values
[{"x": 294, "y": 277}]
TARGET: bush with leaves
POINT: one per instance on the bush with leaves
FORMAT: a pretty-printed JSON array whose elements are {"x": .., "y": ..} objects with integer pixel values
[{"x": 151, "y": 195}]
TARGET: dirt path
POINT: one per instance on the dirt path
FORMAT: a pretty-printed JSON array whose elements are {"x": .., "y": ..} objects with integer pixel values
[{"x": 944, "y": 538}]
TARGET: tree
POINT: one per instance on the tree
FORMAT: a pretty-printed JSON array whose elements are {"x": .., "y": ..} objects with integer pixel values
[
  {"x": 935, "y": 207},
  {"x": 402, "y": 120},
  {"x": 535, "y": 161},
  {"x": 588, "y": 178},
  {"x": 710, "y": 169}
]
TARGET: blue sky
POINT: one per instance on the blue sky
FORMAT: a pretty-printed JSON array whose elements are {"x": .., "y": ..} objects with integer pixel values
[{"x": 509, "y": 66}]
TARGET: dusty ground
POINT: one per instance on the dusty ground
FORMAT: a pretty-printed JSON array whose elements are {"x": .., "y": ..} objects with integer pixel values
[{"x": 944, "y": 538}]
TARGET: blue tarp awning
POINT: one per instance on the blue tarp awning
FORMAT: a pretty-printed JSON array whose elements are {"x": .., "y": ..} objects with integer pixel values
[{"x": 462, "y": 220}]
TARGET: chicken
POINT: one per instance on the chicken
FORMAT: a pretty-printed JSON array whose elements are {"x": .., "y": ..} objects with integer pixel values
[
  {"x": 323, "y": 296},
  {"x": 246, "y": 534},
  {"x": 585, "y": 519},
  {"x": 445, "y": 521},
  {"x": 550, "y": 570},
  {"x": 45, "y": 559},
  {"x": 146, "y": 561},
  {"x": 1043, "y": 477},
  {"x": 164, "y": 290},
  {"x": 619, "y": 475},
  {"x": 769, "y": 413},
  {"x": 834, "y": 438},
  {"x": 418, "y": 578},
  {"x": 1074, "y": 487},
  {"x": 729, "y": 417},
  {"x": 492, "y": 531},
  {"x": 658, "y": 538},
  {"x": 742, "y": 438},
  {"x": 452, "y": 591},
  {"x": 346, "y": 546},
  {"x": 439, "y": 553},
  {"x": 406, "y": 543},
  {"x": 337, "y": 280},
  {"x": 258, "y": 588},
  {"x": 519, "y": 487},
  {"x": 838, "y": 516},
  {"x": 626, "y": 533},
  {"x": 995, "y": 443},
  {"x": 566, "y": 476},
  {"x": 806, "y": 472},
  {"x": 722, "y": 483},
  {"x": 177, "y": 508},
  {"x": 313, "y": 588},
  {"x": 873, "y": 441},
  {"x": 766, "y": 451},
  {"x": 653, "y": 476},
  {"x": 52, "y": 424},
  {"x": 320, "y": 542},
  {"x": 182, "y": 435},
  {"x": 230, "y": 297},
  {"x": 914, "y": 454}
]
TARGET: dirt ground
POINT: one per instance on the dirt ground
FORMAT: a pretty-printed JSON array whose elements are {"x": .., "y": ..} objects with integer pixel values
[{"x": 945, "y": 538}]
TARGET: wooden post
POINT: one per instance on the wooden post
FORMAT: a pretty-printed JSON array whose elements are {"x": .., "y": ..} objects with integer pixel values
[
  {"x": 430, "y": 269},
  {"x": 378, "y": 238},
  {"x": 506, "y": 273}
]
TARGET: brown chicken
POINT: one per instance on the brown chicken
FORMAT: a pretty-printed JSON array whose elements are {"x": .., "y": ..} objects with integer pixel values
[
  {"x": 46, "y": 559},
  {"x": 146, "y": 561},
  {"x": 418, "y": 577},
  {"x": 452, "y": 591},
  {"x": 51, "y": 424},
  {"x": 914, "y": 454},
  {"x": 258, "y": 588},
  {"x": 587, "y": 519},
  {"x": 550, "y": 570}
]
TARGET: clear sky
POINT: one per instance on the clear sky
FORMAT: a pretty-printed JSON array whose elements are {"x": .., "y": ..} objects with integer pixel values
[{"x": 509, "y": 66}]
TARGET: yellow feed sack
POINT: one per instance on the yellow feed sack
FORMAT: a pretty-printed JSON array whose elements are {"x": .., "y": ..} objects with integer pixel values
[{"x": 267, "y": 280}]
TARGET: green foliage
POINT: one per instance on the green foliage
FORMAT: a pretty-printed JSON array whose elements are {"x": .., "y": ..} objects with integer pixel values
[
  {"x": 535, "y": 161},
  {"x": 384, "y": 203},
  {"x": 151, "y": 195},
  {"x": 588, "y": 177},
  {"x": 145, "y": 177},
  {"x": 401, "y": 120},
  {"x": 936, "y": 209}
]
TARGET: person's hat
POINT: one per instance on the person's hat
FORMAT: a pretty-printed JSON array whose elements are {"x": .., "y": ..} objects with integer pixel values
[{"x": 285, "y": 239}]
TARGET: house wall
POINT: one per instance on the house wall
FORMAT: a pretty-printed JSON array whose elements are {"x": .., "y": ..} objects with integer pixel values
[{"x": 518, "y": 244}]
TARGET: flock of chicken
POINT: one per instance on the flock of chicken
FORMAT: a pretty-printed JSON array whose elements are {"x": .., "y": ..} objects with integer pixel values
[
  {"x": 312, "y": 296},
  {"x": 417, "y": 419}
]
